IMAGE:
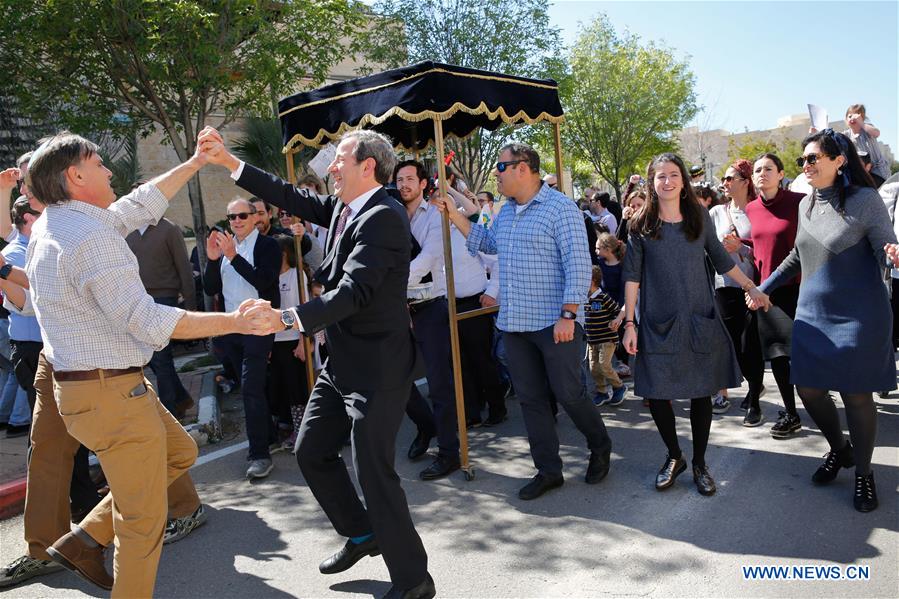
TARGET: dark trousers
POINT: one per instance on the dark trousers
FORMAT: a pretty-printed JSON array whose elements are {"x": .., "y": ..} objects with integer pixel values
[
  {"x": 541, "y": 368},
  {"x": 249, "y": 353},
  {"x": 742, "y": 326},
  {"x": 286, "y": 380},
  {"x": 371, "y": 419},
  {"x": 24, "y": 356},
  {"x": 480, "y": 375},
  {"x": 431, "y": 326},
  {"x": 420, "y": 413},
  {"x": 168, "y": 383},
  {"x": 894, "y": 301}
]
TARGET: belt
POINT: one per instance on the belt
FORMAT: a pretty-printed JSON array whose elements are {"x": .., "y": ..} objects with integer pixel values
[
  {"x": 90, "y": 375},
  {"x": 418, "y": 306}
]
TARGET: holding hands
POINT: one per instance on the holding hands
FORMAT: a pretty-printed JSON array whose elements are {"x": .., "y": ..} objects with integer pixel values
[
  {"x": 756, "y": 299},
  {"x": 731, "y": 242},
  {"x": 892, "y": 250},
  {"x": 248, "y": 321}
]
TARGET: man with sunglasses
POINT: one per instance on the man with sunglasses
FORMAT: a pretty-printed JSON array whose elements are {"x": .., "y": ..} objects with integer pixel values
[
  {"x": 544, "y": 276},
  {"x": 243, "y": 266}
]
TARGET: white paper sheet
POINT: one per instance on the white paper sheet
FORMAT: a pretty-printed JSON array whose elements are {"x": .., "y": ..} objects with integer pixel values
[
  {"x": 322, "y": 160},
  {"x": 818, "y": 116}
]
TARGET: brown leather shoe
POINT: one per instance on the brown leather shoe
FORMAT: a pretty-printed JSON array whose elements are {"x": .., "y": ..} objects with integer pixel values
[{"x": 87, "y": 562}]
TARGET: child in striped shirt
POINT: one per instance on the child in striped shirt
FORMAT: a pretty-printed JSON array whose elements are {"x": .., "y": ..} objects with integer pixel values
[{"x": 603, "y": 316}]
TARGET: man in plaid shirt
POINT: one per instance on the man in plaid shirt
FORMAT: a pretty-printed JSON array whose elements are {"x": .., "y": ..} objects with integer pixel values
[{"x": 544, "y": 276}]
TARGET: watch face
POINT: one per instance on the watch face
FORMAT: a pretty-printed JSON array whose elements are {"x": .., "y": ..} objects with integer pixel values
[{"x": 287, "y": 319}]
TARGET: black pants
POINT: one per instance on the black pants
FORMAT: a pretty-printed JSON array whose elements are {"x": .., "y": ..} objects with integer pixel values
[
  {"x": 742, "y": 326},
  {"x": 168, "y": 383},
  {"x": 480, "y": 375},
  {"x": 287, "y": 384},
  {"x": 430, "y": 323},
  {"x": 249, "y": 353},
  {"x": 24, "y": 356},
  {"x": 894, "y": 301},
  {"x": 371, "y": 419},
  {"x": 541, "y": 368}
]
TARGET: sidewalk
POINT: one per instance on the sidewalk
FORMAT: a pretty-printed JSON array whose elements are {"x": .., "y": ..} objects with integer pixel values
[{"x": 14, "y": 452}]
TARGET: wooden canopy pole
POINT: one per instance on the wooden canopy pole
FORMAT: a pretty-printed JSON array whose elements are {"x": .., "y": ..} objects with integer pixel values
[
  {"x": 298, "y": 247},
  {"x": 451, "y": 301},
  {"x": 557, "y": 141}
]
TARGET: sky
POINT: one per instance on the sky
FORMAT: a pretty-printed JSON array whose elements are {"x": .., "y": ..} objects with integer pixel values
[{"x": 755, "y": 62}]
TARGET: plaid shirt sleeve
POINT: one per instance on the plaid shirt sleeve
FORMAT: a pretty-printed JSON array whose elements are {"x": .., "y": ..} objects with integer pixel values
[
  {"x": 571, "y": 238},
  {"x": 105, "y": 268},
  {"x": 143, "y": 206},
  {"x": 482, "y": 238}
]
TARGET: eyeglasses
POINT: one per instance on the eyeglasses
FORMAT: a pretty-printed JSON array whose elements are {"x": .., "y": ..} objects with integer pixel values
[
  {"x": 240, "y": 215},
  {"x": 501, "y": 166},
  {"x": 810, "y": 158},
  {"x": 730, "y": 178}
]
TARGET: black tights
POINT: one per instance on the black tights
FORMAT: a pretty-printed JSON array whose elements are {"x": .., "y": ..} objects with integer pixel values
[
  {"x": 861, "y": 415},
  {"x": 780, "y": 368},
  {"x": 700, "y": 423}
]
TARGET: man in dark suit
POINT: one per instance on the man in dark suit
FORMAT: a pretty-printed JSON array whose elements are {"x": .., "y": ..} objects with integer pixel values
[{"x": 363, "y": 388}]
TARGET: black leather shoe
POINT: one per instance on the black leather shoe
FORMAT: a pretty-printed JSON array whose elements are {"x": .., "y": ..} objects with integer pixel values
[
  {"x": 425, "y": 590},
  {"x": 419, "y": 445},
  {"x": 865, "y": 498},
  {"x": 833, "y": 461},
  {"x": 493, "y": 420},
  {"x": 704, "y": 481},
  {"x": 598, "y": 467},
  {"x": 539, "y": 485},
  {"x": 669, "y": 472},
  {"x": 439, "y": 468},
  {"x": 349, "y": 554}
]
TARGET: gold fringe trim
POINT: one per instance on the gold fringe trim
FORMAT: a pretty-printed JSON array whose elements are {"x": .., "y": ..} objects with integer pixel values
[
  {"x": 323, "y": 137},
  {"x": 416, "y": 76}
]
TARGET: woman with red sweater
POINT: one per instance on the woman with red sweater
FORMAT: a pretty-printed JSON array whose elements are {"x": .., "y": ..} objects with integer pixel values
[{"x": 774, "y": 216}]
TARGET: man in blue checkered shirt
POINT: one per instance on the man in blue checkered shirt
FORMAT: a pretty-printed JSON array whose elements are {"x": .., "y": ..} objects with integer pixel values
[{"x": 544, "y": 276}]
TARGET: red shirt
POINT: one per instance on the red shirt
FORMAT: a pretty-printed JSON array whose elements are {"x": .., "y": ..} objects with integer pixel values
[{"x": 774, "y": 225}]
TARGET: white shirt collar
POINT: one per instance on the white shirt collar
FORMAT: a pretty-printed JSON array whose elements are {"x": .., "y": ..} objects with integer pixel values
[
  {"x": 357, "y": 204},
  {"x": 249, "y": 239}
]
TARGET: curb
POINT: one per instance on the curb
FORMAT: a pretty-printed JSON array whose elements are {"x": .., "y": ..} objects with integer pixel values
[
  {"x": 12, "y": 498},
  {"x": 208, "y": 426}
]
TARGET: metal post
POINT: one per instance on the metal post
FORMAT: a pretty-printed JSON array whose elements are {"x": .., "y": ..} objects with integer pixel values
[
  {"x": 451, "y": 301},
  {"x": 298, "y": 245},
  {"x": 557, "y": 141}
]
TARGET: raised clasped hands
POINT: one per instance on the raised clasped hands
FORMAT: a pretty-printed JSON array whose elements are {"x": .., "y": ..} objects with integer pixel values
[
  {"x": 211, "y": 146},
  {"x": 756, "y": 300}
]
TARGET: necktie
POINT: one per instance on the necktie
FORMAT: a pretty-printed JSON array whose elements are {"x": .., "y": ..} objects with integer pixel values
[{"x": 341, "y": 221}]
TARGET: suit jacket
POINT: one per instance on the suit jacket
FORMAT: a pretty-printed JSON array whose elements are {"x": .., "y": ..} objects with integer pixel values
[
  {"x": 262, "y": 274},
  {"x": 363, "y": 308}
]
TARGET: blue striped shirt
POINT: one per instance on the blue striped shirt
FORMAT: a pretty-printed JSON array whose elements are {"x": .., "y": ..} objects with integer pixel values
[{"x": 544, "y": 260}]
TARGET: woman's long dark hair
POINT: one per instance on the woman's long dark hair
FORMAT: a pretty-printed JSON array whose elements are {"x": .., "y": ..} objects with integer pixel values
[
  {"x": 834, "y": 144},
  {"x": 647, "y": 222}
]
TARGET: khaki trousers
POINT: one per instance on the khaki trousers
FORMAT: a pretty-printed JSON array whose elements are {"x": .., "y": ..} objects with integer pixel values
[{"x": 600, "y": 356}]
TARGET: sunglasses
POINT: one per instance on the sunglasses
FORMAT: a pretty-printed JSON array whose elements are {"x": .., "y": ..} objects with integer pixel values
[
  {"x": 240, "y": 215},
  {"x": 730, "y": 178},
  {"x": 810, "y": 158},
  {"x": 501, "y": 166}
]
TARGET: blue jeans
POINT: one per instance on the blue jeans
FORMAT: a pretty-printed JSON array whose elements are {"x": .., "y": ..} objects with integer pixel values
[
  {"x": 249, "y": 354},
  {"x": 14, "y": 407},
  {"x": 168, "y": 383}
]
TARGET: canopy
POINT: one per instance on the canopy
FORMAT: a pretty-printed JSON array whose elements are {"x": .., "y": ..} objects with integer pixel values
[{"x": 402, "y": 103}]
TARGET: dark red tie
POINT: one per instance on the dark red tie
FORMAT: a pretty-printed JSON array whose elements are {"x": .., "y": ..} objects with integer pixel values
[{"x": 341, "y": 221}]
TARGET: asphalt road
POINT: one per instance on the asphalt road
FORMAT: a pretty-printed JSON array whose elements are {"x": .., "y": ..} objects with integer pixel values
[{"x": 618, "y": 538}]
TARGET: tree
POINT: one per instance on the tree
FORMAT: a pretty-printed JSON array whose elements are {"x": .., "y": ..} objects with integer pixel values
[
  {"x": 507, "y": 36},
  {"x": 134, "y": 65},
  {"x": 623, "y": 100},
  {"x": 787, "y": 149},
  {"x": 261, "y": 146}
]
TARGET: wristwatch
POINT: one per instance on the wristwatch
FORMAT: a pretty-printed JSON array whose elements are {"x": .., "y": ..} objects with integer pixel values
[
  {"x": 568, "y": 315},
  {"x": 5, "y": 270},
  {"x": 288, "y": 319}
]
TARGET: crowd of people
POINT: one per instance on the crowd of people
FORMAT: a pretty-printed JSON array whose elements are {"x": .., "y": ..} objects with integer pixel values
[{"x": 678, "y": 292}]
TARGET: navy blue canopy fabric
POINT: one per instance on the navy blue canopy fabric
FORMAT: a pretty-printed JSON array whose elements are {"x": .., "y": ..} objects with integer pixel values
[{"x": 402, "y": 104}]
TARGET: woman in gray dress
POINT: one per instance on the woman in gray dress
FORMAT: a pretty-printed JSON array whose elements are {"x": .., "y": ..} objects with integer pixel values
[
  {"x": 841, "y": 333},
  {"x": 683, "y": 349}
]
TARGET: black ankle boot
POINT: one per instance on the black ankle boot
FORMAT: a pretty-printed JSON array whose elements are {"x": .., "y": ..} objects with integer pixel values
[
  {"x": 865, "y": 499},
  {"x": 833, "y": 461}
]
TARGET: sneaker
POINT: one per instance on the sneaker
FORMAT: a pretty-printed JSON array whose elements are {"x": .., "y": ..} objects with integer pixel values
[
  {"x": 786, "y": 425},
  {"x": 24, "y": 568},
  {"x": 865, "y": 498},
  {"x": 259, "y": 468},
  {"x": 753, "y": 417},
  {"x": 601, "y": 399},
  {"x": 720, "y": 404},
  {"x": 833, "y": 461},
  {"x": 618, "y": 396},
  {"x": 178, "y": 528},
  {"x": 623, "y": 371}
]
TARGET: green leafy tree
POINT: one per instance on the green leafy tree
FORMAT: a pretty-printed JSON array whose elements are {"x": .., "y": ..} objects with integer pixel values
[
  {"x": 787, "y": 149},
  {"x": 624, "y": 100},
  {"x": 176, "y": 65},
  {"x": 507, "y": 36}
]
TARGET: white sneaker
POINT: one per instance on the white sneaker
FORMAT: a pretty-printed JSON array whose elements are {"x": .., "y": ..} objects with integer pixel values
[
  {"x": 259, "y": 468},
  {"x": 720, "y": 404}
]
